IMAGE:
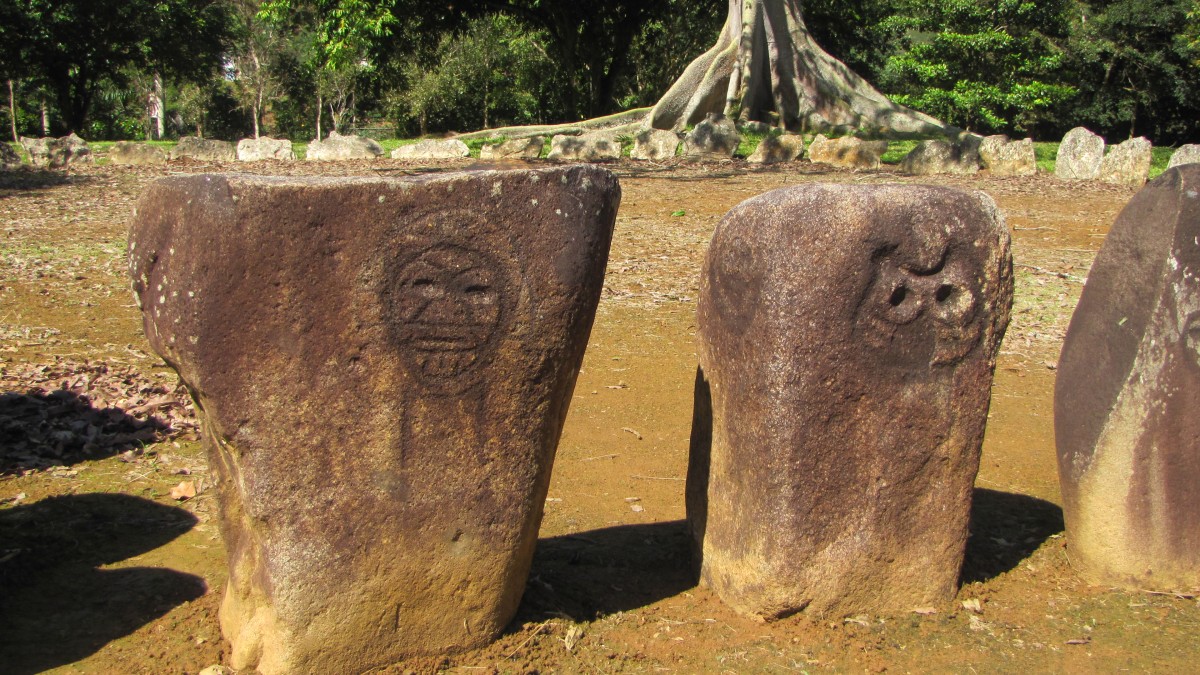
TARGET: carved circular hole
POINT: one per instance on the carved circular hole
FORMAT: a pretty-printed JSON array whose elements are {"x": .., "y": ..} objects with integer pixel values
[
  {"x": 898, "y": 296},
  {"x": 944, "y": 293}
]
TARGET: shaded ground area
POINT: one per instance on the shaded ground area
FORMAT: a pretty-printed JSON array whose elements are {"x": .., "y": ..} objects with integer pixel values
[{"x": 103, "y": 571}]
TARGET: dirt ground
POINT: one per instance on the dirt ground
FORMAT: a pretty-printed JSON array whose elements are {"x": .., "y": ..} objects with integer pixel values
[{"x": 104, "y": 570}]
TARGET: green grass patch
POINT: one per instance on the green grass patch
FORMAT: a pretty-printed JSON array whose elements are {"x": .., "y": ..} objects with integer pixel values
[
  {"x": 1159, "y": 158},
  {"x": 897, "y": 151},
  {"x": 1046, "y": 154},
  {"x": 476, "y": 144}
]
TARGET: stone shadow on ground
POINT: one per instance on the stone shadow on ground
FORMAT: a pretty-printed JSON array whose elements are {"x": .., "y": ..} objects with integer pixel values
[
  {"x": 63, "y": 427},
  {"x": 592, "y": 574},
  {"x": 1006, "y": 528},
  {"x": 57, "y": 605},
  {"x": 24, "y": 178}
]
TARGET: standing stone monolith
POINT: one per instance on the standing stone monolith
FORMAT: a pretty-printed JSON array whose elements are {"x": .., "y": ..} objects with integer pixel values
[
  {"x": 654, "y": 145},
  {"x": 383, "y": 366},
  {"x": 136, "y": 154},
  {"x": 204, "y": 150},
  {"x": 449, "y": 148},
  {"x": 1127, "y": 396},
  {"x": 598, "y": 146},
  {"x": 715, "y": 138},
  {"x": 1185, "y": 154},
  {"x": 516, "y": 148},
  {"x": 777, "y": 149},
  {"x": 847, "y": 152},
  {"x": 1127, "y": 163},
  {"x": 1079, "y": 155},
  {"x": 265, "y": 148},
  {"x": 1004, "y": 157},
  {"x": 939, "y": 157},
  {"x": 848, "y": 337}
]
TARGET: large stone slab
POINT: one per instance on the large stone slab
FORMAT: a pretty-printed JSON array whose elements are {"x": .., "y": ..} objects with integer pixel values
[
  {"x": 848, "y": 337},
  {"x": 1004, "y": 157},
  {"x": 516, "y": 148},
  {"x": 136, "y": 154},
  {"x": 204, "y": 150},
  {"x": 934, "y": 157},
  {"x": 846, "y": 152},
  {"x": 1185, "y": 154},
  {"x": 383, "y": 367},
  {"x": 594, "y": 147},
  {"x": 715, "y": 138},
  {"x": 1127, "y": 163},
  {"x": 778, "y": 149},
  {"x": 450, "y": 148},
  {"x": 56, "y": 153},
  {"x": 337, "y": 147},
  {"x": 1127, "y": 396},
  {"x": 1079, "y": 155},
  {"x": 265, "y": 148},
  {"x": 655, "y": 145}
]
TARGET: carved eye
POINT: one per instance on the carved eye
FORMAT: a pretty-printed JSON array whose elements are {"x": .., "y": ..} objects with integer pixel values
[
  {"x": 899, "y": 294},
  {"x": 944, "y": 293}
]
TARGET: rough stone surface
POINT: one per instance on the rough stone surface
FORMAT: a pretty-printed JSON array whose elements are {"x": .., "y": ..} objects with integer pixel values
[
  {"x": 715, "y": 138},
  {"x": 1185, "y": 154},
  {"x": 595, "y": 147},
  {"x": 1004, "y": 157},
  {"x": 264, "y": 148},
  {"x": 204, "y": 150},
  {"x": 338, "y": 147},
  {"x": 517, "y": 148},
  {"x": 1079, "y": 155},
  {"x": 128, "y": 152},
  {"x": 384, "y": 366},
  {"x": 848, "y": 336},
  {"x": 941, "y": 157},
  {"x": 655, "y": 145},
  {"x": 56, "y": 153},
  {"x": 1127, "y": 163},
  {"x": 778, "y": 149},
  {"x": 9, "y": 158},
  {"x": 450, "y": 148},
  {"x": 846, "y": 152},
  {"x": 1127, "y": 396}
]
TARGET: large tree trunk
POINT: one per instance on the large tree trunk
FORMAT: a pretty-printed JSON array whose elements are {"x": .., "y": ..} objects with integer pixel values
[{"x": 766, "y": 67}]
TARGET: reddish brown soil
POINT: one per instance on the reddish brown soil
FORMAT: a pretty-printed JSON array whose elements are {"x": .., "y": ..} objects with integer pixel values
[{"x": 101, "y": 571}]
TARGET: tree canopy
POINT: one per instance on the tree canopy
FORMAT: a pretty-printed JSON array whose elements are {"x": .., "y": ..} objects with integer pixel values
[{"x": 236, "y": 67}]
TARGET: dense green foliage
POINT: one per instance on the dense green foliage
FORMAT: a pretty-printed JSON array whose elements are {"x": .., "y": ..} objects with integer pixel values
[
  {"x": 300, "y": 67},
  {"x": 985, "y": 66}
]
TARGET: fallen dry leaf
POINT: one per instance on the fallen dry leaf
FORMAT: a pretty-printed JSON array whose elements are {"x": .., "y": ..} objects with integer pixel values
[{"x": 184, "y": 491}]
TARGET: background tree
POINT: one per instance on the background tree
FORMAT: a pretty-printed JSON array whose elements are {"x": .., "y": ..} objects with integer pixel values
[
  {"x": 75, "y": 45},
  {"x": 1137, "y": 69},
  {"x": 986, "y": 66},
  {"x": 767, "y": 67},
  {"x": 489, "y": 73},
  {"x": 343, "y": 33}
]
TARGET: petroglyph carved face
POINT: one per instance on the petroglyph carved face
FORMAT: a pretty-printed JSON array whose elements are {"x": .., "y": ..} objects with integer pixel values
[
  {"x": 449, "y": 306},
  {"x": 921, "y": 313}
]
